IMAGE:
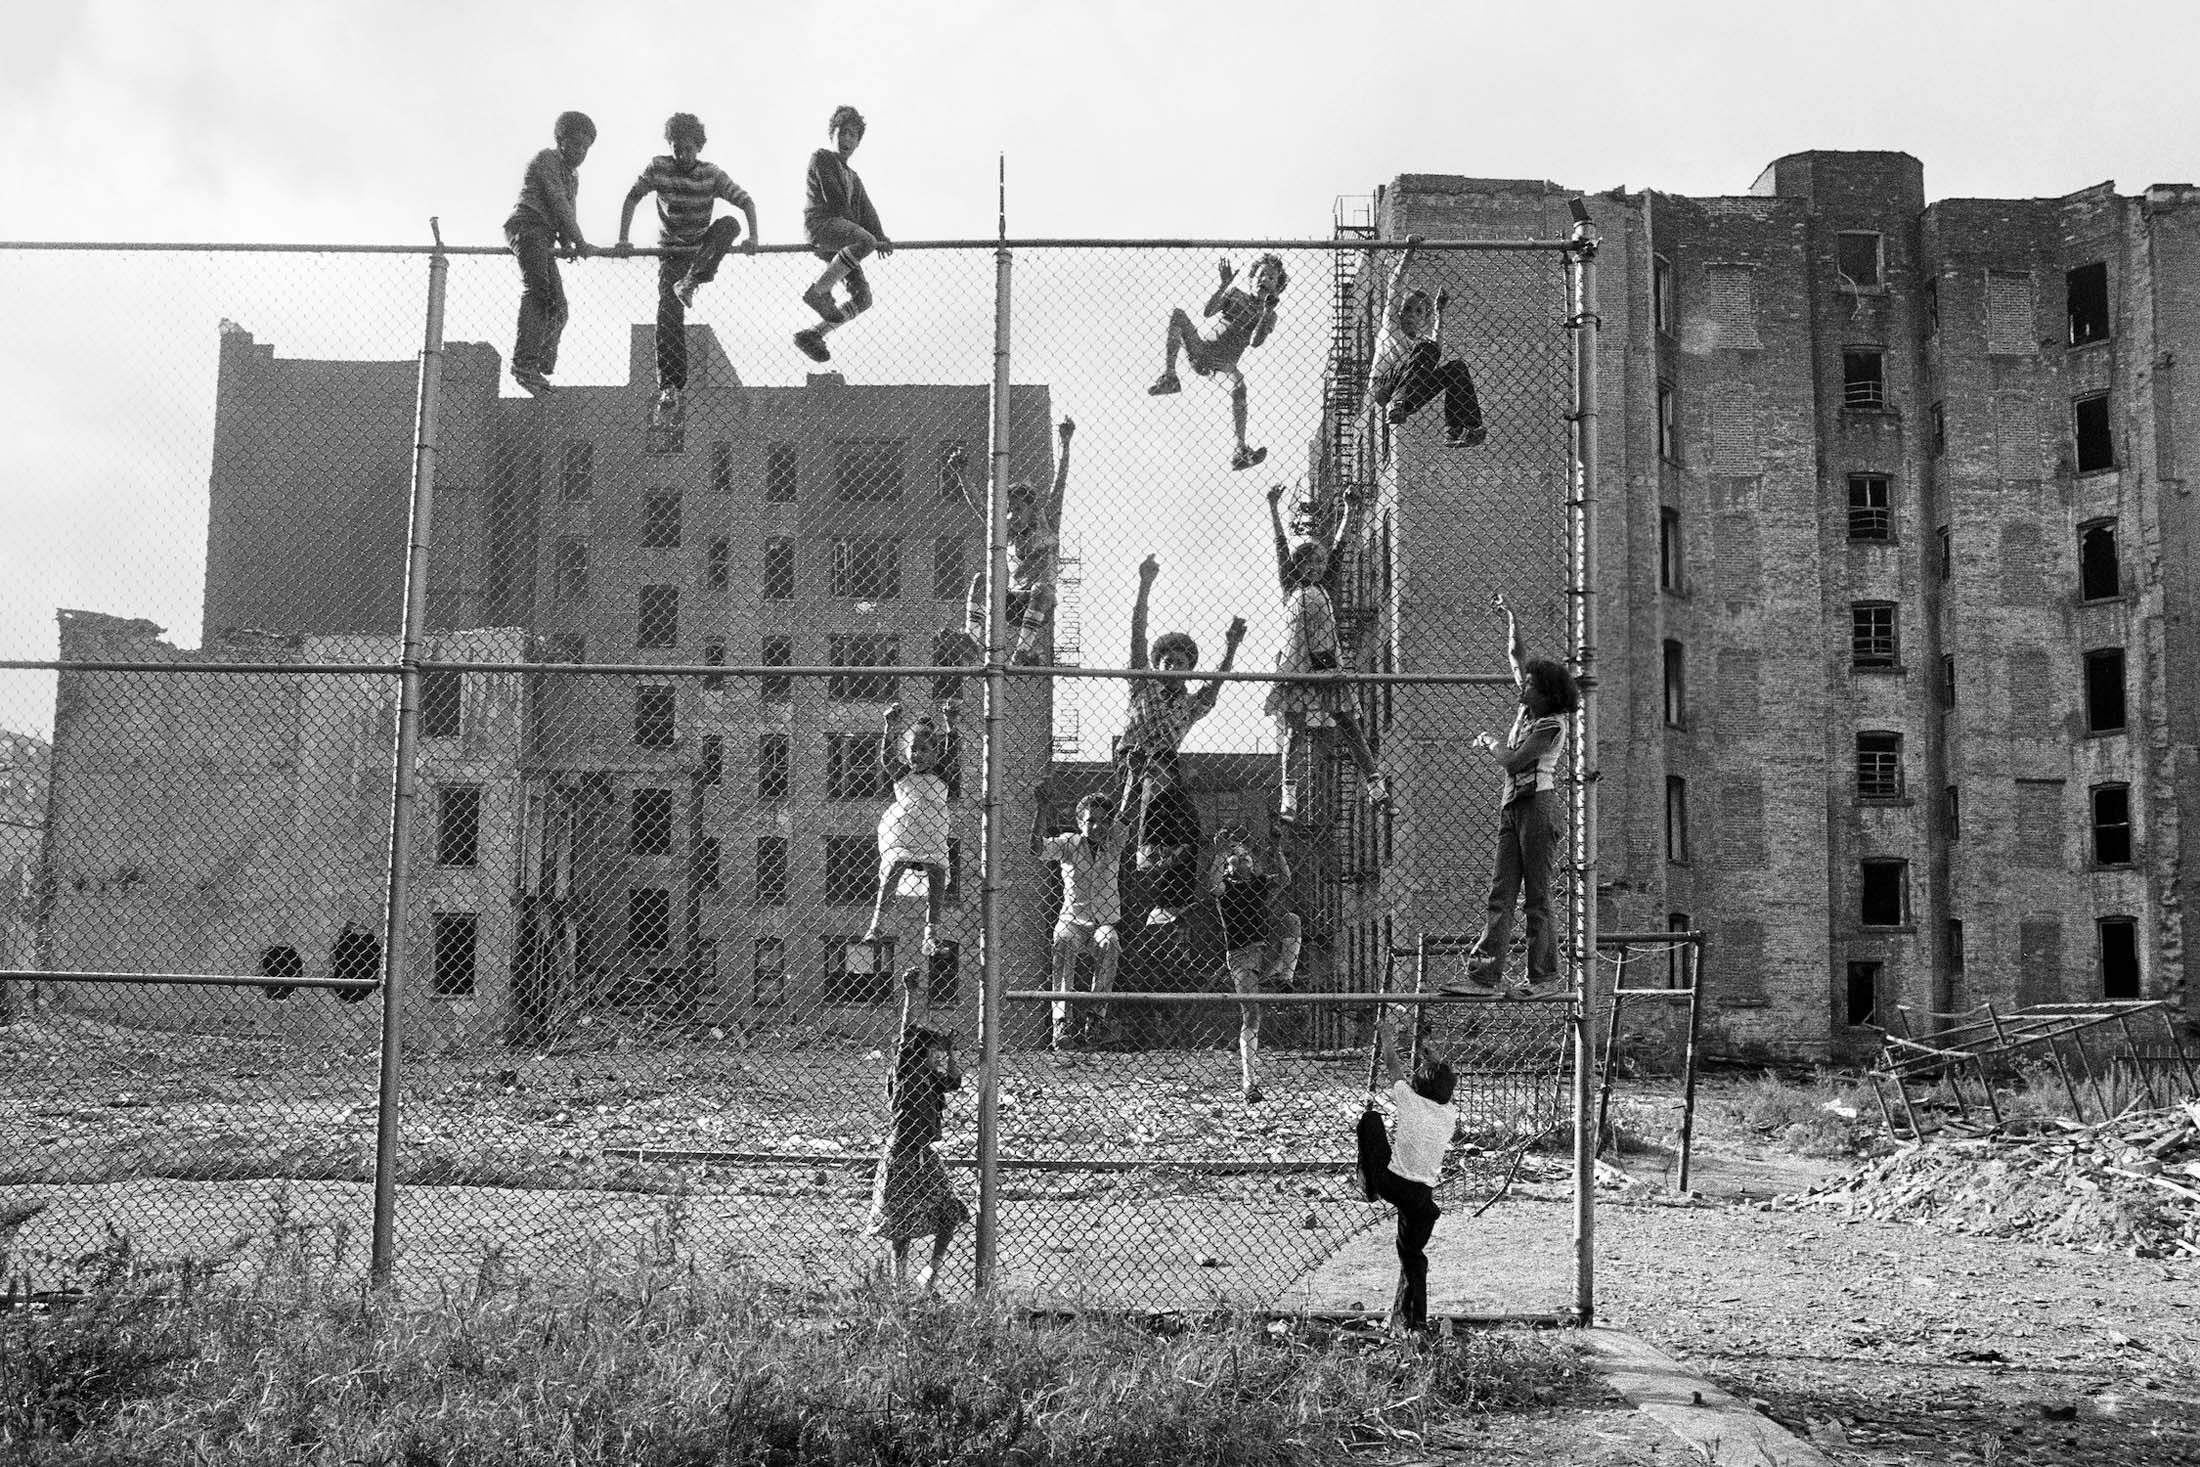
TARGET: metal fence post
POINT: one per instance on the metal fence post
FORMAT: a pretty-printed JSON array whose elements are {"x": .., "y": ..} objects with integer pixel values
[
  {"x": 990, "y": 833},
  {"x": 1584, "y": 588},
  {"x": 403, "y": 793}
]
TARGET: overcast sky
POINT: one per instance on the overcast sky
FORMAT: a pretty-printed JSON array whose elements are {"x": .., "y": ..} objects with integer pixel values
[{"x": 310, "y": 122}]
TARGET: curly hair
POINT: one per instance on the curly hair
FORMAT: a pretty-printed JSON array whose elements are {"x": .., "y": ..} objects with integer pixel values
[
  {"x": 685, "y": 125},
  {"x": 1283, "y": 277},
  {"x": 1554, "y": 682},
  {"x": 845, "y": 113},
  {"x": 1173, "y": 642},
  {"x": 1094, "y": 801},
  {"x": 574, "y": 125},
  {"x": 1434, "y": 1080}
]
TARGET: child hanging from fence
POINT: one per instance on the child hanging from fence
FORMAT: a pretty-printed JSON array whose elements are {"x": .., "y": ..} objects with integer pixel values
[
  {"x": 542, "y": 229},
  {"x": 1409, "y": 370},
  {"x": 1311, "y": 659},
  {"x": 1533, "y": 821},
  {"x": 1090, "y": 858},
  {"x": 1162, "y": 712},
  {"x": 1260, "y": 937},
  {"x": 1403, "y": 1164},
  {"x": 1244, "y": 320},
  {"x": 691, "y": 244},
  {"x": 843, "y": 230},
  {"x": 1034, "y": 545},
  {"x": 910, "y": 1194},
  {"x": 922, "y": 764}
]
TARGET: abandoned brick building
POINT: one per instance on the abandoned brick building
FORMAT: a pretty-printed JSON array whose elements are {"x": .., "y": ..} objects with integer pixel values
[{"x": 1897, "y": 669}]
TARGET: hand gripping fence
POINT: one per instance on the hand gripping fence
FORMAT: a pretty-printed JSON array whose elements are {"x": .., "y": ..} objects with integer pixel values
[{"x": 991, "y": 783}]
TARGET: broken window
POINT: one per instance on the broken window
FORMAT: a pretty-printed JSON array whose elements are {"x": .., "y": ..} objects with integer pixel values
[
  {"x": 458, "y": 825},
  {"x": 1859, "y": 258},
  {"x": 2119, "y": 957},
  {"x": 2099, "y": 576},
  {"x": 771, "y": 871},
  {"x": 657, "y": 617},
  {"x": 2112, "y": 824},
  {"x": 1872, "y": 640},
  {"x": 2087, "y": 290},
  {"x": 778, "y": 569},
  {"x": 867, "y": 569},
  {"x": 2104, "y": 690},
  {"x": 1864, "y": 377},
  {"x": 1863, "y": 992},
  {"x": 661, "y": 521},
  {"x": 455, "y": 943},
  {"x": 1879, "y": 766},
  {"x": 1871, "y": 511},
  {"x": 648, "y": 918},
  {"x": 650, "y": 830},
  {"x": 2096, "y": 438},
  {"x": 780, "y": 474},
  {"x": 1885, "y": 893},
  {"x": 774, "y": 766}
]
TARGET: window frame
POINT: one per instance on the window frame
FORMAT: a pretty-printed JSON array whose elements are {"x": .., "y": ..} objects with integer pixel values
[
  {"x": 1669, "y": 423},
  {"x": 1841, "y": 261},
  {"x": 2089, "y": 532},
  {"x": 650, "y": 822},
  {"x": 866, "y": 568},
  {"x": 442, "y": 704},
  {"x": 458, "y": 826},
  {"x": 1894, "y": 868},
  {"x": 2093, "y": 444},
  {"x": 2105, "y": 833},
  {"x": 1879, "y": 773},
  {"x": 455, "y": 969},
  {"x": 860, "y": 684},
  {"x": 2095, "y": 686},
  {"x": 2072, "y": 336},
  {"x": 1868, "y": 522},
  {"x": 1861, "y": 389},
  {"x": 657, "y": 617},
  {"x": 1674, "y": 661},
  {"x": 1664, "y": 296},
  {"x": 1869, "y": 650},
  {"x": 774, "y": 768},
  {"x": 1676, "y": 820},
  {"x": 1672, "y": 564}
]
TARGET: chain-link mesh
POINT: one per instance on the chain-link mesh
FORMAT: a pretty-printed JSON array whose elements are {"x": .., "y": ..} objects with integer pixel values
[{"x": 654, "y": 996}]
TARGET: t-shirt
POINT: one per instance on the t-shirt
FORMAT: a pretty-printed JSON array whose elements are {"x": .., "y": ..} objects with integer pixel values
[
  {"x": 1088, "y": 874},
  {"x": 1543, "y": 774},
  {"x": 549, "y": 196},
  {"x": 1161, "y": 714},
  {"x": 1235, "y": 324},
  {"x": 1392, "y": 351},
  {"x": 685, "y": 197},
  {"x": 1242, "y": 906},
  {"x": 1421, "y": 1134}
]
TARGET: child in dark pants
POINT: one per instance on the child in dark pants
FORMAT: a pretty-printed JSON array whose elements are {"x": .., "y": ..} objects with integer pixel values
[
  {"x": 1402, "y": 1167},
  {"x": 542, "y": 227},
  {"x": 843, "y": 231},
  {"x": 1410, "y": 371}
]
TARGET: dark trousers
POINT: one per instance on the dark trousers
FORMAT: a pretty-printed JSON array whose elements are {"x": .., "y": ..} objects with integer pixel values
[
  {"x": 1417, "y": 1215},
  {"x": 1425, "y": 378},
  {"x": 1527, "y": 843},
  {"x": 702, "y": 263},
  {"x": 542, "y": 300}
]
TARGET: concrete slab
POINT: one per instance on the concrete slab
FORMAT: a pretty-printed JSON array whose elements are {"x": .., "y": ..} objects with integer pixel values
[{"x": 1720, "y": 1427}]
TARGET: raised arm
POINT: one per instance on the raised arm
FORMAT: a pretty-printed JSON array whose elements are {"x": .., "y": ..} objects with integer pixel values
[
  {"x": 1283, "y": 540},
  {"x": 1039, "y": 821},
  {"x": 1149, "y": 570},
  {"x": 1397, "y": 282},
  {"x": 1053, "y": 521},
  {"x": 1516, "y": 651},
  {"x": 952, "y": 480},
  {"x": 1203, "y": 701},
  {"x": 1221, "y": 296},
  {"x": 916, "y": 1007},
  {"x": 888, "y": 760},
  {"x": 1345, "y": 525}
]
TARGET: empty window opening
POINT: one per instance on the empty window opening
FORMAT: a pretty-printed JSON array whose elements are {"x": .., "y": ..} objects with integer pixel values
[
  {"x": 2104, "y": 690},
  {"x": 1872, "y": 641},
  {"x": 1859, "y": 257},
  {"x": 868, "y": 471},
  {"x": 579, "y": 472},
  {"x": 781, "y": 474},
  {"x": 456, "y": 936},
  {"x": 771, "y": 871},
  {"x": 851, "y": 863},
  {"x": 442, "y": 704},
  {"x": 657, "y": 617},
  {"x": 1863, "y": 992},
  {"x": 1955, "y": 945},
  {"x": 648, "y": 918},
  {"x": 458, "y": 825},
  {"x": 768, "y": 972},
  {"x": 1676, "y": 685},
  {"x": 2100, "y": 578},
  {"x": 2112, "y": 824},
  {"x": 1885, "y": 893},
  {"x": 650, "y": 830},
  {"x": 570, "y": 575},
  {"x": 1676, "y": 819},
  {"x": 774, "y": 766},
  {"x": 704, "y": 864},
  {"x": 711, "y": 769},
  {"x": 654, "y": 725},
  {"x": 867, "y": 569},
  {"x": 714, "y": 655},
  {"x": 868, "y": 649},
  {"x": 281, "y": 962},
  {"x": 2096, "y": 439},
  {"x": 356, "y": 958},
  {"x": 778, "y": 652},
  {"x": 661, "y": 522},
  {"x": 778, "y": 583},
  {"x": 2119, "y": 957},
  {"x": 721, "y": 468},
  {"x": 1879, "y": 766},
  {"x": 1669, "y": 550},
  {"x": 718, "y": 564},
  {"x": 2087, "y": 288},
  {"x": 1864, "y": 377},
  {"x": 1871, "y": 511}
]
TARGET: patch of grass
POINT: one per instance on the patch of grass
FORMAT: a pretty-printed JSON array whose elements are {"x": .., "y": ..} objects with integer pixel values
[
  {"x": 665, "y": 1365},
  {"x": 1825, "y": 1115}
]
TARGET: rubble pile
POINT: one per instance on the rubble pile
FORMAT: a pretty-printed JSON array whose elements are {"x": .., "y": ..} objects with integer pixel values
[{"x": 2127, "y": 1185}]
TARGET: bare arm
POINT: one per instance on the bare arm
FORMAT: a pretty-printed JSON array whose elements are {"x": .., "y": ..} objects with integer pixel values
[
  {"x": 1039, "y": 822},
  {"x": 1149, "y": 570},
  {"x": 1397, "y": 285},
  {"x": 886, "y": 759},
  {"x": 1343, "y": 535},
  {"x": 1216, "y": 301},
  {"x": 1204, "y": 699},
  {"x": 1515, "y": 650},
  {"x": 1283, "y": 541},
  {"x": 1266, "y": 323},
  {"x": 1053, "y": 521},
  {"x": 1283, "y": 868},
  {"x": 952, "y": 480},
  {"x": 634, "y": 197}
]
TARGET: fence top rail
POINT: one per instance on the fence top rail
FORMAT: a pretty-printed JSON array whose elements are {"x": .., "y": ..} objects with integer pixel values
[
  {"x": 1345, "y": 245},
  {"x": 1317, "y": 1000}
]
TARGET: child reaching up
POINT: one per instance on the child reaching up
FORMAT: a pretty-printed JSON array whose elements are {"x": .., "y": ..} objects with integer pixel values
[
  {"x": 1403, "y": 1165},
  {"x": 910, "y": 1194},
  {"x": 1533, "y": 821},
  {"x": 1034, "y": 539},
  {"x": 843, "y": 230},
  {"x": 1311, "y": 652},
  {"x": 1409, "y": 370},
  {"x": 691, "y": 243},
  {"x": 1244, "y": 318},
  {"x": 921, "y": 764},
  {"x": 542, "y": 229},
  {"x": 1260, "y": 940}
]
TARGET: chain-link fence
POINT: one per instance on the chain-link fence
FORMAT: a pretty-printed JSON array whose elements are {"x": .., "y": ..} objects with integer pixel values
[{"x": 1036, "y": 738}]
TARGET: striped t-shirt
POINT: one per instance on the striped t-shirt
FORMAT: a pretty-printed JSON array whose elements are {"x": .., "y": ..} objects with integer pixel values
[
  {"x": 1543, "y": 774},
  {"x": 685, "y": 197}
]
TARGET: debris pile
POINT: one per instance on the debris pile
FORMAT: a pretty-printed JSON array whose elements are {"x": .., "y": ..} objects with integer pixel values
[{"x": 2127, "y": 1185}]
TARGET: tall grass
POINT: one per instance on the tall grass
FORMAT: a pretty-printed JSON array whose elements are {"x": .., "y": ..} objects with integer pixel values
[
  {"x": 1823, "y": 1116},
  {"x": 656, "y": 1366}
]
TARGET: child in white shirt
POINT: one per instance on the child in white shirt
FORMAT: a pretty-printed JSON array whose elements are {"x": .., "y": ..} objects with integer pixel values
[{"x": 1403, "y": 1166}]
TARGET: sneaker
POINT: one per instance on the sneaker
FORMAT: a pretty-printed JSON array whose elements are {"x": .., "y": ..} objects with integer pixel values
[
  {"x": 1253, "y": 1095},
  {"x": 683, "y": 290},
  {"x": 1164, "y": 385},
  {"x": 1552, "y": 987},
  {"x": 1377, "y": 792},
  {"x": 811, "y": 343},
  {"x": 532, "y": 381},
  {"x": 1395, "y": 414},
  {"x": 819, "y": 298},
  {"x": 1474, "y": 985},
  {"x": 1246, "y": 458},
  {"x": 1471, "y": 438},
  {"x": 1160, "y": 917}
]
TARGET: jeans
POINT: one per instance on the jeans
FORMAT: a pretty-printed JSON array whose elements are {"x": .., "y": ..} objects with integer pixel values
[
  {"x": 702, "y": 263},
  {"x": 1417, "y": 1215},
  {"x": 1527, "y": 845},
  {"x": 542, "y": 308},
  {"x": 830, "y": 237},
  {"x": 1423, "y": 379}
]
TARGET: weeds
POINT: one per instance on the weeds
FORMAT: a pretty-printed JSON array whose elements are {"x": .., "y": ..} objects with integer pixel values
[
  {"x": 668, "y": 1365},
  {"x": 1821, "y": 1117}
]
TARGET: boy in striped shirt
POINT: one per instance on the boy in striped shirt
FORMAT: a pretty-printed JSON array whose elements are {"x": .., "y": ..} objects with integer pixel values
[{"x": 691, "y": 243}]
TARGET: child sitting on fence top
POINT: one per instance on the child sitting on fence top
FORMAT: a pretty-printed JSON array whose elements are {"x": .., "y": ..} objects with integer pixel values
[
  {"x": 1409, "y": 371},
  {"x": 692, "y": 244},
  {"x": 544, "y": 227},
  {"x": 843, "y": 230},
  {"x": 1243, "y": 321},
  {"x": 1034, "y": 546}
]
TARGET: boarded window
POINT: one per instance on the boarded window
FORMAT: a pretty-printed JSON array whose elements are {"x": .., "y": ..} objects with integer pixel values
[
  {"x": 2023, "y": 576},
  {"x": 2010, "y": 328},
  {"x": 781, "y": 474},
  {"x": 1741, "y": 832},
  {"x": 2104, "y": 690},
  {"x": 1735, "y": 448},
  {"x": 2119, "y": 957},
  {"x": 456, "y": 940},
  {"x": 648, "y": 918},
  {"x": 2031, "y": 692},
  {"x": 1739, "y": 557},
  {"x": 2039, "y": 962},
  {"x": 1733, "y": 293},
  {"x": 2087, "y": 291},
  {"x": 2016, "y": 436},
  {"x": 2112, "y": 824},
  {"x": 867, "y": 470},
  {"x": 2039, "y": 821},
  {"x": 1738, "y": 948},
  {"x": 1741, "y": 692}
]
